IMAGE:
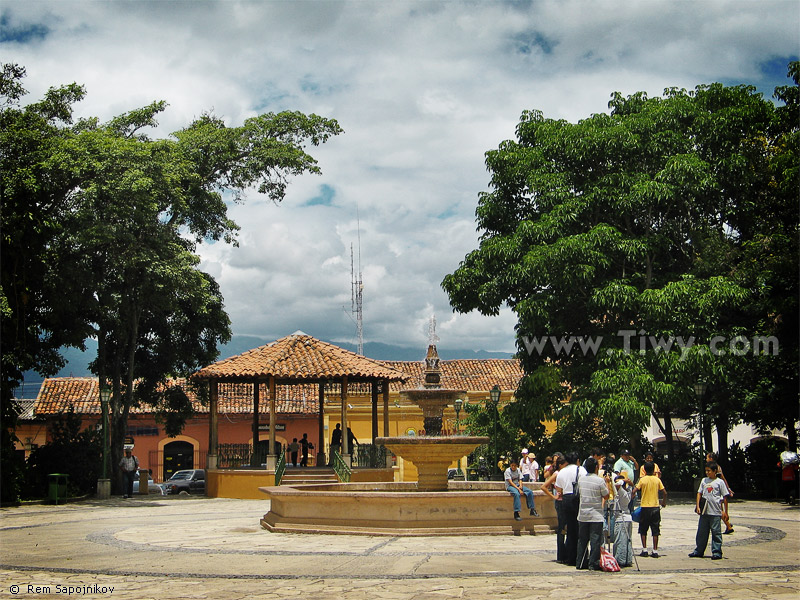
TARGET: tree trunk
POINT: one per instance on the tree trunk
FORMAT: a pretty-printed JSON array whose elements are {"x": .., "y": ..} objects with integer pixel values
[
  {"x": 791, "y": 433},
  {"x": 668, "y": 434},
  {"x": 721, "y": 422}
]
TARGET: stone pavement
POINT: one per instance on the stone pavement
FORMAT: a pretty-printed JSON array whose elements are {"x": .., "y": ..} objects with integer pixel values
[{"x": 191, "y": 547}]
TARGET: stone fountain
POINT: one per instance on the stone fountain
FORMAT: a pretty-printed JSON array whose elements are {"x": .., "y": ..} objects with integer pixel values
[
  {"x": 431, "y": 506},
  {"x": 432, "y": 453}
]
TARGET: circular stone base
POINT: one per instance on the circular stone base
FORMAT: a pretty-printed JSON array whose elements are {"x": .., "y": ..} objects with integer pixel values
[{"x": 398, "y": 509}]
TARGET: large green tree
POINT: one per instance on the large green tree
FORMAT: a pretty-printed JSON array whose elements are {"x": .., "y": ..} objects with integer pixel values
[
  {"x": 625, "y": 244},
  {"x": 129, "y": 213}
]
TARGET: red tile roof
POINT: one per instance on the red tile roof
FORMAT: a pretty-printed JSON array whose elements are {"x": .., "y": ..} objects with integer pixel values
[
  {"x": 477, "y": 376},
  {"x": 298, "y": 357}
]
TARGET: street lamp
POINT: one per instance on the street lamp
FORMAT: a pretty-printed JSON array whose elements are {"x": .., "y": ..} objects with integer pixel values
[
  {"x": 494, "y": 395},
  {"x": 104, "y": 484},
  {"x": 457, "y": 405},
  {"x": 700, "y": 389}
]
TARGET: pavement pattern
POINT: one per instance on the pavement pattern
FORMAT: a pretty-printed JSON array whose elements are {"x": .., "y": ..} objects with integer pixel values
[{"x": 196, "y": 547}]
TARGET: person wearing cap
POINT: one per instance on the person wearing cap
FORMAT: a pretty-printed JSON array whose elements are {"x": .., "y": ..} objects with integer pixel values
[
  {"x": 528, "y": 466},
  {"x": 623, "y": 522},
  {"x": 128, "y": 464}
]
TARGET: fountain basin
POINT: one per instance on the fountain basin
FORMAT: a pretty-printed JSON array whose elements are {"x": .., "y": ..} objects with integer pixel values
[
  {"x": 398, "y": 509},
  {"x": 432, "y": 455}
]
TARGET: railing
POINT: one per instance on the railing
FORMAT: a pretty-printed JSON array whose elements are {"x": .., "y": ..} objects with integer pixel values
[
  {"x": 340, "y": 468},
  {"x": 231, "y": 456},
  {"x": 369, "y": 456},
  {"x": 280, "y": 467}
]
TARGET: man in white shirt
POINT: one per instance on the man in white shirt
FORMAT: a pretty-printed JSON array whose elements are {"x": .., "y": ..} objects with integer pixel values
[
  {"x": 565, "y": 481},
  {"x": 528, "y": 466},
  {"x": 593, "y": 490}
]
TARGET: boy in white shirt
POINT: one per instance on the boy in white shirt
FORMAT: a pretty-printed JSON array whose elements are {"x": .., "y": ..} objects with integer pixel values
[{"x": 711, "y": 505}]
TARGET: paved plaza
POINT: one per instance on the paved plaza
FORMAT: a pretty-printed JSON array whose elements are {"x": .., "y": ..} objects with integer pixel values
[{"x": 191, "y": 547}]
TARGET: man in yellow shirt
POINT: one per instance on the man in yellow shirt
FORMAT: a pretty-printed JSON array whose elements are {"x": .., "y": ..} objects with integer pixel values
[{"x": 650, "y": 487}]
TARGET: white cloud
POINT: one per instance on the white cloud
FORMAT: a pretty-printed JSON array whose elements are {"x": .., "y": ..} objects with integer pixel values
[{"x": 422, "y": 89}]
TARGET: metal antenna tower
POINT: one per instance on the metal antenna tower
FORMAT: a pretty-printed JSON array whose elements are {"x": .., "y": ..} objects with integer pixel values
[{"x": 357, "y": 288}]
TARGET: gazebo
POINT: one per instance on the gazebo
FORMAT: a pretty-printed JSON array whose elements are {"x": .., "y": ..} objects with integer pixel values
[{"x": 293, "y": 360}]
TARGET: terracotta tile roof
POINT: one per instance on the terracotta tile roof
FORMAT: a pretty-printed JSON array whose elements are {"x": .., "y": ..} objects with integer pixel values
[
  {"x": 298, "y": 357},
  {"x": 474, "y": 375},
  {"x": 57, "y": 394}
]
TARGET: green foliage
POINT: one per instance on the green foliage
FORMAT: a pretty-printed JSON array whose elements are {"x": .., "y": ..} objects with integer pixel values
[
  {"x": 642, "y": 235},
  {"x": 71, "y": 450},
  {"x": 101, "y": 222}
]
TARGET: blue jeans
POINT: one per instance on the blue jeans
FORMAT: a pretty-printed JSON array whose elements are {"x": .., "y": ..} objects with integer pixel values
[
  {"x": 709, "y": 524},
  {"x": 517, "y": 501}
]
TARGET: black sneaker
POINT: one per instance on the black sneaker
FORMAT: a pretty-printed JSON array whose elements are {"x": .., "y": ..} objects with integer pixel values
[
  {"x": 695, "y": 555},
  {"x": 654, "y": 554},
  {"x": 516, "y": 516},
  {"x": 534, "y": 513},
  {"x": 716, "y": 557},
  {"x": 728, "y": 531},
  {"x": 644, "y": 554}
]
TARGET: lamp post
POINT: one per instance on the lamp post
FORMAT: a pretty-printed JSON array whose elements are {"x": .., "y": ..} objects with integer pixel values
[
  {"x": 700, "y": 389},
  {"x": 494, "y": 395},
  {"x": 104, "y": 484},
  {"x": 457, "y": 405}
]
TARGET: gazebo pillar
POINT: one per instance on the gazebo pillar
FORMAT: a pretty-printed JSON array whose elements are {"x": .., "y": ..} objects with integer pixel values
[
  {"x": 255, "y": 418},
  {"x": 386, "y": 420},
  {"x": 272, "y": 458},
  {"x": 321, "y": 438},
  {"x": 374, "y": 409},
  {"x": 346, "y": 456},
  {"x": 213, "y": 409}
]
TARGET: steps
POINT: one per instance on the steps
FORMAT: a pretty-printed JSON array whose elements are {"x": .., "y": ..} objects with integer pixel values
[{"x": 300, "y": 475}]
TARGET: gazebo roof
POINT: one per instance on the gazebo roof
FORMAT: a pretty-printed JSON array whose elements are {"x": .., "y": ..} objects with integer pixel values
[{"x": 300, "y": 358}]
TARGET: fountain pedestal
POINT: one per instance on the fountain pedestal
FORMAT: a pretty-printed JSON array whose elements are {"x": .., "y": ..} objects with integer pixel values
[{"x": 432, "y": 456}]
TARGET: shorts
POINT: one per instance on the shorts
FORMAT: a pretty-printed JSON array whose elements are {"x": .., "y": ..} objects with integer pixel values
[{"x": 650, "y": 519}]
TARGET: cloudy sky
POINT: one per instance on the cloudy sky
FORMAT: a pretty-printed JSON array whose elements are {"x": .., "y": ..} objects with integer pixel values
[{"x": 422, "y": 90}]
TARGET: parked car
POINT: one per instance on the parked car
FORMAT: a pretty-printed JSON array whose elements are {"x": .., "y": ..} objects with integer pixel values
[
  {"x": 152, "y": 486},
  {"x": 191, "y": 481}
]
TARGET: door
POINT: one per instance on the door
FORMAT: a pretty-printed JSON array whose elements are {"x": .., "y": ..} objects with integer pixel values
[{"x": 177, "y": 456}]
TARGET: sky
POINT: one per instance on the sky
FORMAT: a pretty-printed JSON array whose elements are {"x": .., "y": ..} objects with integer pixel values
[{"x": 422, "y": 90}]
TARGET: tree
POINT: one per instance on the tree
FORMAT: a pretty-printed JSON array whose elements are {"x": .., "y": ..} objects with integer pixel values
[
  {"x": 621, "y": 243},
  {"x": 132, "y": 210},
  {"x": 40, "y": 312}
]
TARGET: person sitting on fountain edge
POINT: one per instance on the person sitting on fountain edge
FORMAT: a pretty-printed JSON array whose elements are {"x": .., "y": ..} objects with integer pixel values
[{"x": 513, "y": 478}]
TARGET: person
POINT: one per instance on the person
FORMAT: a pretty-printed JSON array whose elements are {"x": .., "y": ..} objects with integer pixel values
[
  {"x": 712, "y": 457},
  {"x": 565, "y": 482},
  {"x": 129, "y": 465},
  {"x": 548, "y": 468},
  {"x": 627, "y": 465},
  {"x": 593, "y": 493},
  {"x": 598, "y": 455},
  {"x": 789, "y": 482},
  {"x": 650, "y": 488},
  {"x": 623, "y": 522},
  {"x": 649, "y": 457},
  {"x": 351, "y": 440},
  {"x": 513, "y": 477},
  {"x": 528, "y": 466},
  {"x": 336, "y": 439},
  {"x": 711, "y": 505},
  {"x": 557, "y": 461},
  {"x": 304, "y": 446},
  {"x": 294, "y": 447}
]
